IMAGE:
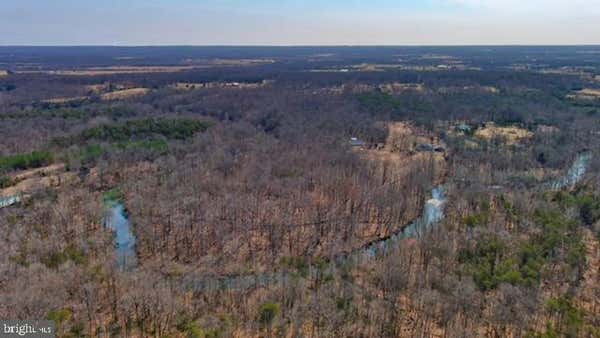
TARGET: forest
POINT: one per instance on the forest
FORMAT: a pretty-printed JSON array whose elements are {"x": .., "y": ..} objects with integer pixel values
[{"x": 301, "y": 191}]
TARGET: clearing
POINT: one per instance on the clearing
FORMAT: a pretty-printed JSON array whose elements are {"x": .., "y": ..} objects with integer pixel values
[
  {"x": 512, "y": 135},
  {"x": 586, "y": 94},
  {"x": 62, "y": 100},
  {"x": 94, "y": 71},
  {"x": 401, "y": 150},
  {"x": 124, "y": 94},
  {"x": 29, "y": 181},
  {"x": 590, "y": 92}
]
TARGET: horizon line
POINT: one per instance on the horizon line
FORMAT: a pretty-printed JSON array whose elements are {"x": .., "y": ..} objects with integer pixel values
[{"x": 295, "y": 45}]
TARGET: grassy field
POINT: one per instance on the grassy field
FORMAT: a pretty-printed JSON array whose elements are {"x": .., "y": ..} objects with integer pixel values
[
  {"x": 124, "y": 94},
  {"x": 512, "y": 135}
]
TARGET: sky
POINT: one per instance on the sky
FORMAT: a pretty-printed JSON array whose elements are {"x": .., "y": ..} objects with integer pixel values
[{"x": 299, "y": 22}]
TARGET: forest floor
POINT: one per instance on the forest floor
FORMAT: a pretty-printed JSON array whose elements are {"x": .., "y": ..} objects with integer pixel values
[{"x": 588, "y": 296}]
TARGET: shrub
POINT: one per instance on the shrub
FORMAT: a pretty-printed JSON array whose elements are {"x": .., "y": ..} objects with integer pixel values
[
  {"x": 267, "y": 313},
  {"x": 170, "y": 128},
  {"x": 191, "y": 329},
  {"x": 6, "y": 182},
  {"x": 473, "y": 221},
  {"x": 154, "y": 146},
  {"x": 75, "y": 254},
  {"x": 91, "y": 152},
  {"x": 55, "y": 259},
  {"x": 59, "y": 316},
  {"x": 31, "y": 160},
  {"x": 571, "y": 318},
  {"x": 297, "y": 263},
  {"x": 589, "y": 209},
  {"x": 113, "y": 195}
]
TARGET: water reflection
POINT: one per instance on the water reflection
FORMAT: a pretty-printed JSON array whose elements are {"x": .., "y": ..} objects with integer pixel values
[
  {"x": 8, "y": 201},
  {"x": 575, "y": 173},
  {"x": 118, "y": 221}
]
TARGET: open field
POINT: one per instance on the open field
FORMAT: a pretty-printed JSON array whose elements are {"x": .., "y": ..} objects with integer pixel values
[
  {"x": 33, "y": 180},
  {"x": 512, "y": 135},
  {"x": 186, "y": 65},
  {"x": 122, "y": 70},
  {"x": 124, "y": 94},
  {"x": 63, "y": 100},
  {"x": 585, "y": 94},
  {"x": 589, "y": 92}
]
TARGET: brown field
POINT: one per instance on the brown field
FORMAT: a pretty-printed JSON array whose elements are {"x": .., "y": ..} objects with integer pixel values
[
  {"x": 397, "y": 146},
  {"x": 511, "y": 134},
  {"x": 94, "y": 71},
  {"x": 60, "y": 100},
  {"x": 107, "y": 92},
  {"x": 124, "y": 94},
  {"x": 96, "y": 88},
  {"x": 585, "y": 94},
  {"x": 590, "y": 92},
  {"x": 29, "y": 181},
  {"x": 234, "y": 85},
  {"x": 399, "y": 150},
  {"x": 189, "y": 64}
]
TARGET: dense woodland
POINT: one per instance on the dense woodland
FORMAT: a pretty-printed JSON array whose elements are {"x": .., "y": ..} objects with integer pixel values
[{"x": 254, "y": 174}]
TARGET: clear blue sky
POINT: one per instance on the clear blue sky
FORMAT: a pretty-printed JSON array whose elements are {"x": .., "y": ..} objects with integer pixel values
[{"x": 296, "y": 22}]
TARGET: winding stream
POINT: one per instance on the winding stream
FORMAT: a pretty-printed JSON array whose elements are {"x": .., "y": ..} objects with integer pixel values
[
  {"x": 433, "y": 213},
  {"x": 575, "y": 173}
]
